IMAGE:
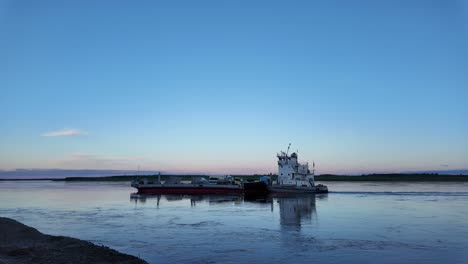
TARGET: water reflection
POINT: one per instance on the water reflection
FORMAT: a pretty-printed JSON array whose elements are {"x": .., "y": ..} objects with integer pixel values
[
  {"x": 194, "y": 199},
  {"x": 294, "y": 210}
]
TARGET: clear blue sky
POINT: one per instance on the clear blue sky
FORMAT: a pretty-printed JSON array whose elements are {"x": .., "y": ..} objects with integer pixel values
[{"x": 221, "y": 86}]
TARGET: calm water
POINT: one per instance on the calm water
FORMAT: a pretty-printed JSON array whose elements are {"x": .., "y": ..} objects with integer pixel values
[{"x": 358, "y": 222}]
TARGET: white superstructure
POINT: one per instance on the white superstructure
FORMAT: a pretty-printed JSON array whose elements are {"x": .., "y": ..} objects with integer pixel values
[{"x": 293, "y": 173}]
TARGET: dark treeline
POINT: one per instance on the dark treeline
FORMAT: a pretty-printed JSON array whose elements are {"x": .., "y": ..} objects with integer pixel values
[
  {"x": 393, "y": 177},
  {"x": 323, "y": 177},
  {"x": 152, "y": 177},
  {"x": 421, "y": 177}
]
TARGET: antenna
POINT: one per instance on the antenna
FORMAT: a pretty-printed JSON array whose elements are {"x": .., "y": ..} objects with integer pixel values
[{"x": 288, "y": 149}]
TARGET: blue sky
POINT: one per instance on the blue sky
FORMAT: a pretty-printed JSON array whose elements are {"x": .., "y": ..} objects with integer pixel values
[{"x": 221, "y": 86}]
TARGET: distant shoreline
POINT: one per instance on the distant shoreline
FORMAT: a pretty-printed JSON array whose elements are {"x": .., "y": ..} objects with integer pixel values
[{"x": 394, "y": 177}]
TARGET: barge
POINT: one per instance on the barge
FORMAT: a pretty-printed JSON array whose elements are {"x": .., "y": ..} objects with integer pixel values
[{"x": 174, "y": 185}]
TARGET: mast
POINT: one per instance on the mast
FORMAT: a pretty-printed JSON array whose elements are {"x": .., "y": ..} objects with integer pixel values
[{"x": 288, "y": 149}]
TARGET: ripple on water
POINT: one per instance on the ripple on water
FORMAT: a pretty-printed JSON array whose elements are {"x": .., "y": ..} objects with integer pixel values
[{"x": 200, "y": 224}]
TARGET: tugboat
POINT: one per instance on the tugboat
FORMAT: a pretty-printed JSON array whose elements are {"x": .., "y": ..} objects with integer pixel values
[{"x": 294, "y": 177}]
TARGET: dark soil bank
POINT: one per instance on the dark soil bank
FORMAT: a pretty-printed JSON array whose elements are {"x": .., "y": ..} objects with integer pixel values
[{"x": 23, "y": 244}]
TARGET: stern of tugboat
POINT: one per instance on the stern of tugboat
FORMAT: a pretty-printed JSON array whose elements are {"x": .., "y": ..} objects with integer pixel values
[{"x": 321, "y": 188}]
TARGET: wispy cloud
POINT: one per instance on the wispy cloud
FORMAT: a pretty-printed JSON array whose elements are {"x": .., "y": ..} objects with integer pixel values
[{"x": 64, "y": 133}]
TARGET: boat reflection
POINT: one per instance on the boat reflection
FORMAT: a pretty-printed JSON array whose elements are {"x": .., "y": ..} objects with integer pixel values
[
  {"x": 194, "y": 199},
  {"x": 294, "y": 210}
]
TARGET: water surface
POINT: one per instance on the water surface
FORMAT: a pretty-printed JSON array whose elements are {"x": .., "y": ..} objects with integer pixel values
[{"x": 357, "y": 222}]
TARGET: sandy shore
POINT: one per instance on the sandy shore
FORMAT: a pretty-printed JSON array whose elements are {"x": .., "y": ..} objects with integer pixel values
[{"x": 23, "y": 244}]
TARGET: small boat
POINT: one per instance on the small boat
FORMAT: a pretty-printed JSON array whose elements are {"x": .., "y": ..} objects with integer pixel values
[
  {"x": 199, "y": 185},
  {"x": 294, "y": 177}
]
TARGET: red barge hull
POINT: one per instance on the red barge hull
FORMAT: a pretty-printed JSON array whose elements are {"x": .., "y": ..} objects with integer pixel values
[
  {"x": 144, "y": 187},
  {"x": 188, "y": 190}
]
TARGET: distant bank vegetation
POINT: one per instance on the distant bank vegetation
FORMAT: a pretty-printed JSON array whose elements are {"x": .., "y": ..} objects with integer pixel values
[
  {"x": 422, "y": 177},
  {"x": 324, "y": 177}
]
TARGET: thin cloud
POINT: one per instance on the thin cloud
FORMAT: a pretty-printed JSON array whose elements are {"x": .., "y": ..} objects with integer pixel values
[{"x": 65, "y": 133}]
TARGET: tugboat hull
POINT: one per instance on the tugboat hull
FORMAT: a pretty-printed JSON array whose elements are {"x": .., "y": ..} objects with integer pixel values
[{"x": 296, "y": 189}]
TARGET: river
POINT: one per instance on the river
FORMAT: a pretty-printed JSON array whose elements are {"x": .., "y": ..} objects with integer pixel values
[{"x": 367, "y": 222}]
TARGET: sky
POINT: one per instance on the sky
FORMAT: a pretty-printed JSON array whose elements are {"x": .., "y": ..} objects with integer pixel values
[{"x": 222, "y": 86}]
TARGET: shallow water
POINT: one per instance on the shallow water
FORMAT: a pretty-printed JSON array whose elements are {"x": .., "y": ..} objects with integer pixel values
[{"x": 369, "y": 222}]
